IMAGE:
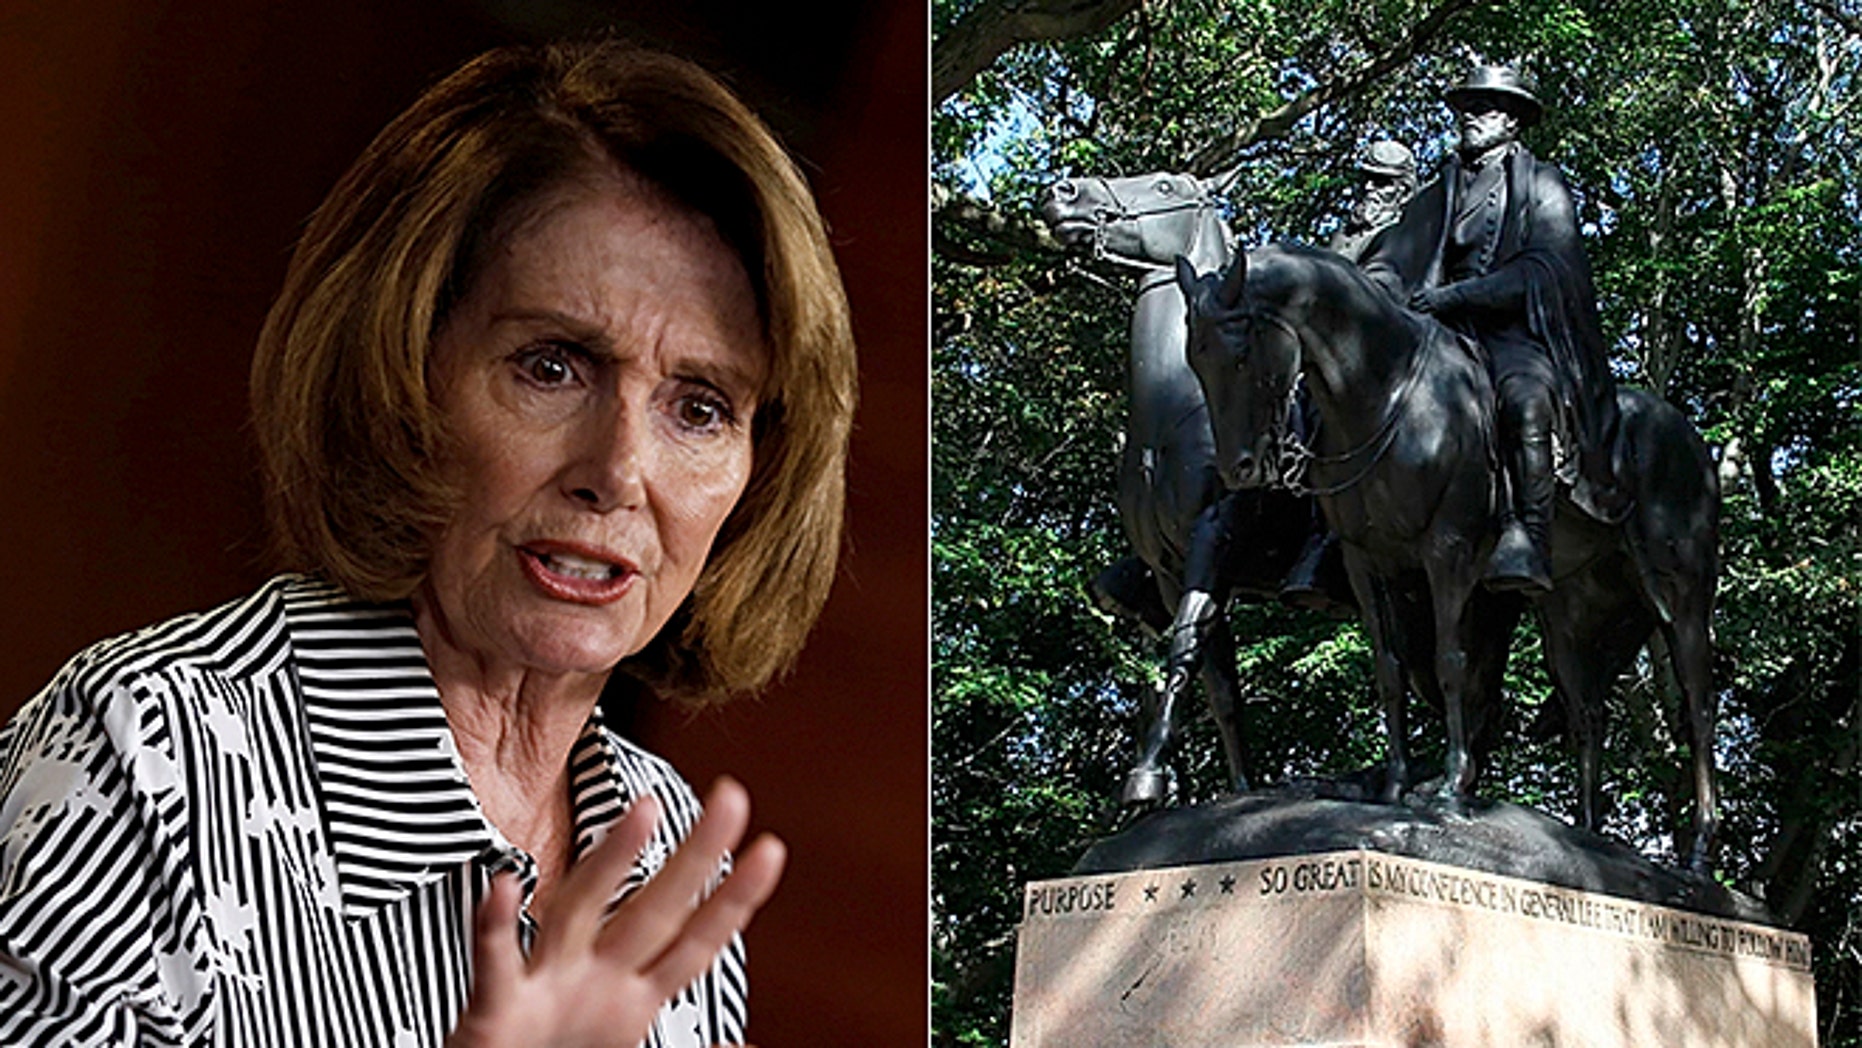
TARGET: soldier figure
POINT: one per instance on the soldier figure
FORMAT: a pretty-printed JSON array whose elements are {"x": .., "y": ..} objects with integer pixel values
[
  {"x": 1388, "y": 170},
  {"x": 1491, "y": 248}
]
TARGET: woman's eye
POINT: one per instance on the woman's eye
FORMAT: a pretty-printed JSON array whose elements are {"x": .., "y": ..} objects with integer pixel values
[
  {"x": 545, "y": 366},
  {"x": 701, "y": 412}
]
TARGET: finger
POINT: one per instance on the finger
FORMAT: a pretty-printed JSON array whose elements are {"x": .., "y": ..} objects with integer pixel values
[
  {"x": 497, "y": 960},
  {"x": 654, "y": 915},
  {"x": 726, "y": 913},
  {"x": 575, "y": 913}
]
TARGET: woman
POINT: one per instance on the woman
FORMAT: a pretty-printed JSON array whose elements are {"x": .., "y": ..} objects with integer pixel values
[{"x": 559, "y": 384}]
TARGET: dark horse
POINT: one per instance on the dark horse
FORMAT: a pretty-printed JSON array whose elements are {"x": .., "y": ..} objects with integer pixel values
[
  {"x": 1405, "y": 467},
  {"x": 1196, "y": 547}
]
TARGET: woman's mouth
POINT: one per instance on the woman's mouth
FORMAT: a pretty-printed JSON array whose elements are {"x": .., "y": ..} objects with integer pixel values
[{"x": 575, "y": 573}]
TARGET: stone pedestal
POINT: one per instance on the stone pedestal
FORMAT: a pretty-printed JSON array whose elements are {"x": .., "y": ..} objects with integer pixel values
[{"x": 1362, "y": 948}]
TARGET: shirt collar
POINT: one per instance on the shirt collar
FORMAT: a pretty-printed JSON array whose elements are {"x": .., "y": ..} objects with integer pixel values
[
  {"x": 1497, "y": 155},
  {"x": 398, "y": 807}
]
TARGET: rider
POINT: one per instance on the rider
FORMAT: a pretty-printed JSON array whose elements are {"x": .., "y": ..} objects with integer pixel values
[
  {"x": 1387, "y": 171},
  {"x": 1491, "y": 248}
]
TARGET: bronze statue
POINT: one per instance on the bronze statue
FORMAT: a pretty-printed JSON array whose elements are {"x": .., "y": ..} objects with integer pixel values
[
  {"x": 1388, "y": 172},
  {"x": 1197, "y": 546},
  {"x": 1404, "y": 468},
  {"x": 1387, "y": 182},
  {"x": 1491, "y": 248}
]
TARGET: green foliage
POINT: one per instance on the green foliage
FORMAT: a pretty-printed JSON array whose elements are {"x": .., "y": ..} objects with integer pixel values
[{"x": 1712, "y": 145}]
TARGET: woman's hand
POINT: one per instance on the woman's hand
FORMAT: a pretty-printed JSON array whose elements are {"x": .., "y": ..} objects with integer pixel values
[{"x": 594, "y": 981}]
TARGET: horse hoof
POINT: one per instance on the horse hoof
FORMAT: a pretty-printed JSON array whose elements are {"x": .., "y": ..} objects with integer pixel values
[{"x": 1143, "y": 786}]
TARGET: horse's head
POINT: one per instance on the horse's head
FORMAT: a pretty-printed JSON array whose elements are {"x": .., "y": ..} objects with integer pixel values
[
  {"x": 1248, "y": 361},
  {"x": 1148, "y": 218}
]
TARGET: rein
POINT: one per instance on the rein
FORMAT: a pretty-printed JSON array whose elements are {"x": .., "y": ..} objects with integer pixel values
[
  {"x": 1105, "y": 218},
  {"x": 1295, "y": 459}
]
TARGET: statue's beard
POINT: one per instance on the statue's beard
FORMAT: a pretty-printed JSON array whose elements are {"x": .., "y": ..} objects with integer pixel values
[
  {"x": 1478, "y": 136},
  {"x": 1376, "y": 209}
]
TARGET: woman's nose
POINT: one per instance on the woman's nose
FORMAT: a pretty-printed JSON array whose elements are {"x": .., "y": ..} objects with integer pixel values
[{"x": 606, "y": 468}]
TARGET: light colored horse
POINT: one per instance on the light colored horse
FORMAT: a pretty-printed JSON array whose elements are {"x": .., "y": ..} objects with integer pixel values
[{"x": 1170, "y": 496}]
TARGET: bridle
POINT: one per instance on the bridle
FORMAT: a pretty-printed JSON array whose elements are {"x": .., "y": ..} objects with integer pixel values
[
  {"x": 1105, "y": 218},
  {"x": 1294, "y": 458}
]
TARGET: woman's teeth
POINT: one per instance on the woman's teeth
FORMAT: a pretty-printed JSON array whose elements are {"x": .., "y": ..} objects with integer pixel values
[{"x": 579, "y": 567}]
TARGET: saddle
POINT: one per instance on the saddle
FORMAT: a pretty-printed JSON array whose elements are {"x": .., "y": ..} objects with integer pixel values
[{"x": 1574, "y": 486}]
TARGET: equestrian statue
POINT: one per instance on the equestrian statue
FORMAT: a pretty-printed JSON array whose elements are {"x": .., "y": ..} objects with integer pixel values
[
  {"x": 1472, "y": 444},
  {"x": 1197, "y": 547}
]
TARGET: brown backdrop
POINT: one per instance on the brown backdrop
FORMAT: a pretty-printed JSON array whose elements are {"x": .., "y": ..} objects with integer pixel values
[{"x": 156, "y": 162}]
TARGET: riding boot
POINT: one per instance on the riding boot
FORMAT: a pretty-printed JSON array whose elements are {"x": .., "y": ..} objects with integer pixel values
[
  {"x": 1522, "y": 558},
  {"x": 1304, "y": 586}
]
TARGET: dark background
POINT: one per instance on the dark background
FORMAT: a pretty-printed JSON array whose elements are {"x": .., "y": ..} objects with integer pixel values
[{"x": 157, "y": 161}]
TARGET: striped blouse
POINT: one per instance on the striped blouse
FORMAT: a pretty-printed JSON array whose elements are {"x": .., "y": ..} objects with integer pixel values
[{"x": 251, "y": 827}]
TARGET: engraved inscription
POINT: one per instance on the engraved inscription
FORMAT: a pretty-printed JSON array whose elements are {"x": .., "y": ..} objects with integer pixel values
[
  {"x": 1544, "y": 902},
  {"x": 1047, "y": 900},
  {"x": 1323, "y": 875}
]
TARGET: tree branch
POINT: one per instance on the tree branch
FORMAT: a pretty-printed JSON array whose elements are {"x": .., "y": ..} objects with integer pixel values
[
  {"x": 1851, "y": 23},
  {"x": 965, "y": 228},
  {"x": 1225, "y": 151},
  {"x": 994, "y": 26}
]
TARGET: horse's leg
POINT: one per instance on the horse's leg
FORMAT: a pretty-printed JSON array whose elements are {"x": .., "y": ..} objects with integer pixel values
[
  {"x": 1452, "y": 579},
  {"x": 1593, "y": 625},
  {"x": 1197, "y": 615},
  {"x": 1145, "y": 782},
  {"x": 1683, "y": 586},
  {"x": 1199, "y": 602},
  {"x": 1692, "y": 654},
  {"x": 1200, "y": 631},
  {"x": 1494, "y": 616},
  {"x": 1127, "y": 589},
  {"x": 1223, "y": 686},
  {"x": 1673, "y": 539},
  {"x": 1377, "y": 608}
]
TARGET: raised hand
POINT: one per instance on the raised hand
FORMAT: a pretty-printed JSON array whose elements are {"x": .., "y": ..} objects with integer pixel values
[{"x": 595, "y": 979}]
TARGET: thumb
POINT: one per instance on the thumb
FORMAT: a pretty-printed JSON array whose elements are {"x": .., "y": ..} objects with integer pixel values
[{"x": 497, "y": 962}]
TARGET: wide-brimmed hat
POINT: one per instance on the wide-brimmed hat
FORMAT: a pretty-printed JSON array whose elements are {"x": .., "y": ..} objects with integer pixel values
[
  {"x": 1498, "y": 83},
  {"x": 1387, "y": 158}
]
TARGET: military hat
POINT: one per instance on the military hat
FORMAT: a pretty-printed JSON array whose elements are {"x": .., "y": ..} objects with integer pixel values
[
  {"x": 1498, "y": 83},
  {"x": 1387, "y": 158}
]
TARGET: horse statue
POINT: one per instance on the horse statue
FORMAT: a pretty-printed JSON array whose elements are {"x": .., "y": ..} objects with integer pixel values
[
  {"x": 1405, "y": 467},
  {"x": 1189, "y": 562}
]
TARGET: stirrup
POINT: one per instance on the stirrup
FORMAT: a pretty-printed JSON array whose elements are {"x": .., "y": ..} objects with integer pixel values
[{"x": 1517, "y": 563}]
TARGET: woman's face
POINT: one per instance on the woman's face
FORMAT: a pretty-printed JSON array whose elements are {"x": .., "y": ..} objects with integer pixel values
[{"x": 598, "y": 382}]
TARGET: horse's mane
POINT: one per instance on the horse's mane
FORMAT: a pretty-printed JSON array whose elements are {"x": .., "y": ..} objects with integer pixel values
[
  {"x": 1297, "y": 276},
  {"x": 1273, "y": 266}
]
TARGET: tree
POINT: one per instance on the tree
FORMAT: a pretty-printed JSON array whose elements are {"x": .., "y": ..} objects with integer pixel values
[{"x": 1712, "y": 145}]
